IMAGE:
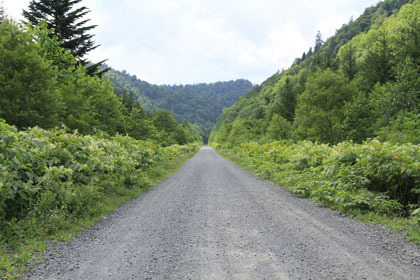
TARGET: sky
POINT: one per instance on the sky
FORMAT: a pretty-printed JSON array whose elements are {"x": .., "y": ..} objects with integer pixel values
[{"x": 194, "y": 41}]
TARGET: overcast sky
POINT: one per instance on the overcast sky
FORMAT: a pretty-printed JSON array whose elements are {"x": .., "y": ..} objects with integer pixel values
[{"x": 192, "y": 41}]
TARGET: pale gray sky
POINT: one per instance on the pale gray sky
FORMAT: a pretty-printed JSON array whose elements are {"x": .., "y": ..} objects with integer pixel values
[{"x": 192, "y": 41}]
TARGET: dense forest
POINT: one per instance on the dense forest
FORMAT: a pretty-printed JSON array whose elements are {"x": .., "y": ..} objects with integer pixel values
[{"x": 200, "y": 104}]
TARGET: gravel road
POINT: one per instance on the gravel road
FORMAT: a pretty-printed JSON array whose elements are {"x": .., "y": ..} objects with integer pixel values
[{"x": 214, "y": 220}]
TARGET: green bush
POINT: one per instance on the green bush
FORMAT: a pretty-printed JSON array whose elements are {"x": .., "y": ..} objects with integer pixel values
[
  {"x": 58, "y": 175},
  {"x": 354, "y": 178}
]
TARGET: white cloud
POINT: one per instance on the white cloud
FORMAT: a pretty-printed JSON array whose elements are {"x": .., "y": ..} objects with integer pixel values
[
  {"x": 14, "y": 7},
  {"x": 190, "y": 41}
]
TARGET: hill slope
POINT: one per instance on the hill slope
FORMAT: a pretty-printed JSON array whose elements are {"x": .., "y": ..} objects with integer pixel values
[
  {"x": 200, "y": 104},
  {"x": 342, "y": 89}
]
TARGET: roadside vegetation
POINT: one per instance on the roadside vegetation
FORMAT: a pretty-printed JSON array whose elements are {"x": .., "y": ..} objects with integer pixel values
[
  {"x": 373, "y": 181},
  {"x": 56, "y": 183}
]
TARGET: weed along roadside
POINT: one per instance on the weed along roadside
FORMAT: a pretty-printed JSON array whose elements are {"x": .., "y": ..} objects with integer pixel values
[
  {"x": 56, "y": 184},
  {"x": 376, "y": 182}
]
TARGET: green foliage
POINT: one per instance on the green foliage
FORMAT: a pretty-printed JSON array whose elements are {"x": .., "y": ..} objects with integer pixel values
[
  {"x": 139, "y": 127},
  {"x": 52, "y": 179},
  {"x": 404, "y": 128},
  {"x": 409, "y": 37},
  {"x": 239, "y": 132},
  {"x": 200, "y": 104},
  {"x": 28, "y": 92},
  {"x": 348, "y": 62},
  {"x": 67, "y": 23},
  {"x": 350, "y": 87},
  {"x": 171, "y": 132},
  {"x": 403, "y": 94},
  {"x": 55, "y": 182},
  {"x": 354, "y": 178},
  {"x": 378, "y": 64},
  {"x": 279, "y": 128},
  {"x": 284, "y": 103},
  {"x": 359, "y": 115},
  {"x": 370, "y": 19},
  {"x": 42, "y": 85},
  {"x": 320, "y": 107}
]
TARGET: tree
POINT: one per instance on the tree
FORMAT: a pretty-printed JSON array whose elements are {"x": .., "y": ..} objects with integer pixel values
[
  {"x": 240, "y": 132},
  {"x": 409, "y": 40},
  {"x": 2, "y": 13},
  {"x": 317, "y": 57},
  {"x": 348, "y": 62},
  {"x": 163, "y": 120},
  {"x": 403, "y": 94},
  {"x": 279, "y": 128},
  {"x": 288, "y": 98},
  {"x": 68, "y": 24},
  {"x": 318, "y": 41},
  {"x": 285, "y": 102},
  {"x": 320, "y": 113},
  {"x": 138, "y": 126},
  {"x": 28, "y": 93},
  {"x": 378, "y": 64},
  {"x": 360, "y": 119},
  {"x": 310, "y": 52}
]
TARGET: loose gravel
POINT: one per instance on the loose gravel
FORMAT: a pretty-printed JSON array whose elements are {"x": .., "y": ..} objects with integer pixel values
[{"x": 215, "y": 220}]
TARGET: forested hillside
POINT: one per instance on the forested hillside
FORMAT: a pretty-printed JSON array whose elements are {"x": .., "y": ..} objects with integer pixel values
[
  {"x": 342, "y": 124},
  {"x": 359, "y": 84},
  {"x": 200, "y": 104}
]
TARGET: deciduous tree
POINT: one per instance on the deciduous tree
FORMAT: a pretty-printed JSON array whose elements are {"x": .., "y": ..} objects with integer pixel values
[{"x": 320, "y": 107}]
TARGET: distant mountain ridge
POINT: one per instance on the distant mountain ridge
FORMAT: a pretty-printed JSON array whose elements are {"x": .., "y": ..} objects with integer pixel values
[{"x": 200, "y": 104}]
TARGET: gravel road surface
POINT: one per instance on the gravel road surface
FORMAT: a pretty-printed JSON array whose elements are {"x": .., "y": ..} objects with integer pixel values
[{"x": 214, "y": 220}]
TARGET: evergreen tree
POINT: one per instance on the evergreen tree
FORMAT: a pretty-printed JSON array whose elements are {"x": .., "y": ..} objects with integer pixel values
[
  {"x": 2, "y": 13},
  {"x": 318, "y": 41},
  {"x": 68, "y": 23},
  {"x": 310, "y": 52},
  {"x": 378, "y": 65},
  {"x": 317, "y": 58},
  {"x": 348, "y": 62},
  {"x": 409, "y": 40},
  {"x": 288, "y": 101}
]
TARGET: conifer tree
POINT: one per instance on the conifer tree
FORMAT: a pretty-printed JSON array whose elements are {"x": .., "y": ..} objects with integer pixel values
[
  {"x": 409, "y": 40},
  {"x": 288, "y": 101},
  {"x": 348, "y": 63},
  {"x": 2, "y": 13},
  {"x": 379, "y": 62},
  {"x": 318, "y": 41},
  {"x": 317, "y": 58},
  {"x": 68, "y": 23}
]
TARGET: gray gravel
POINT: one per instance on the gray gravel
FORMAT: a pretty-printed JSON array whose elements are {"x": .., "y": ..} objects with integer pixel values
[{"x": 214, "y": 220}]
